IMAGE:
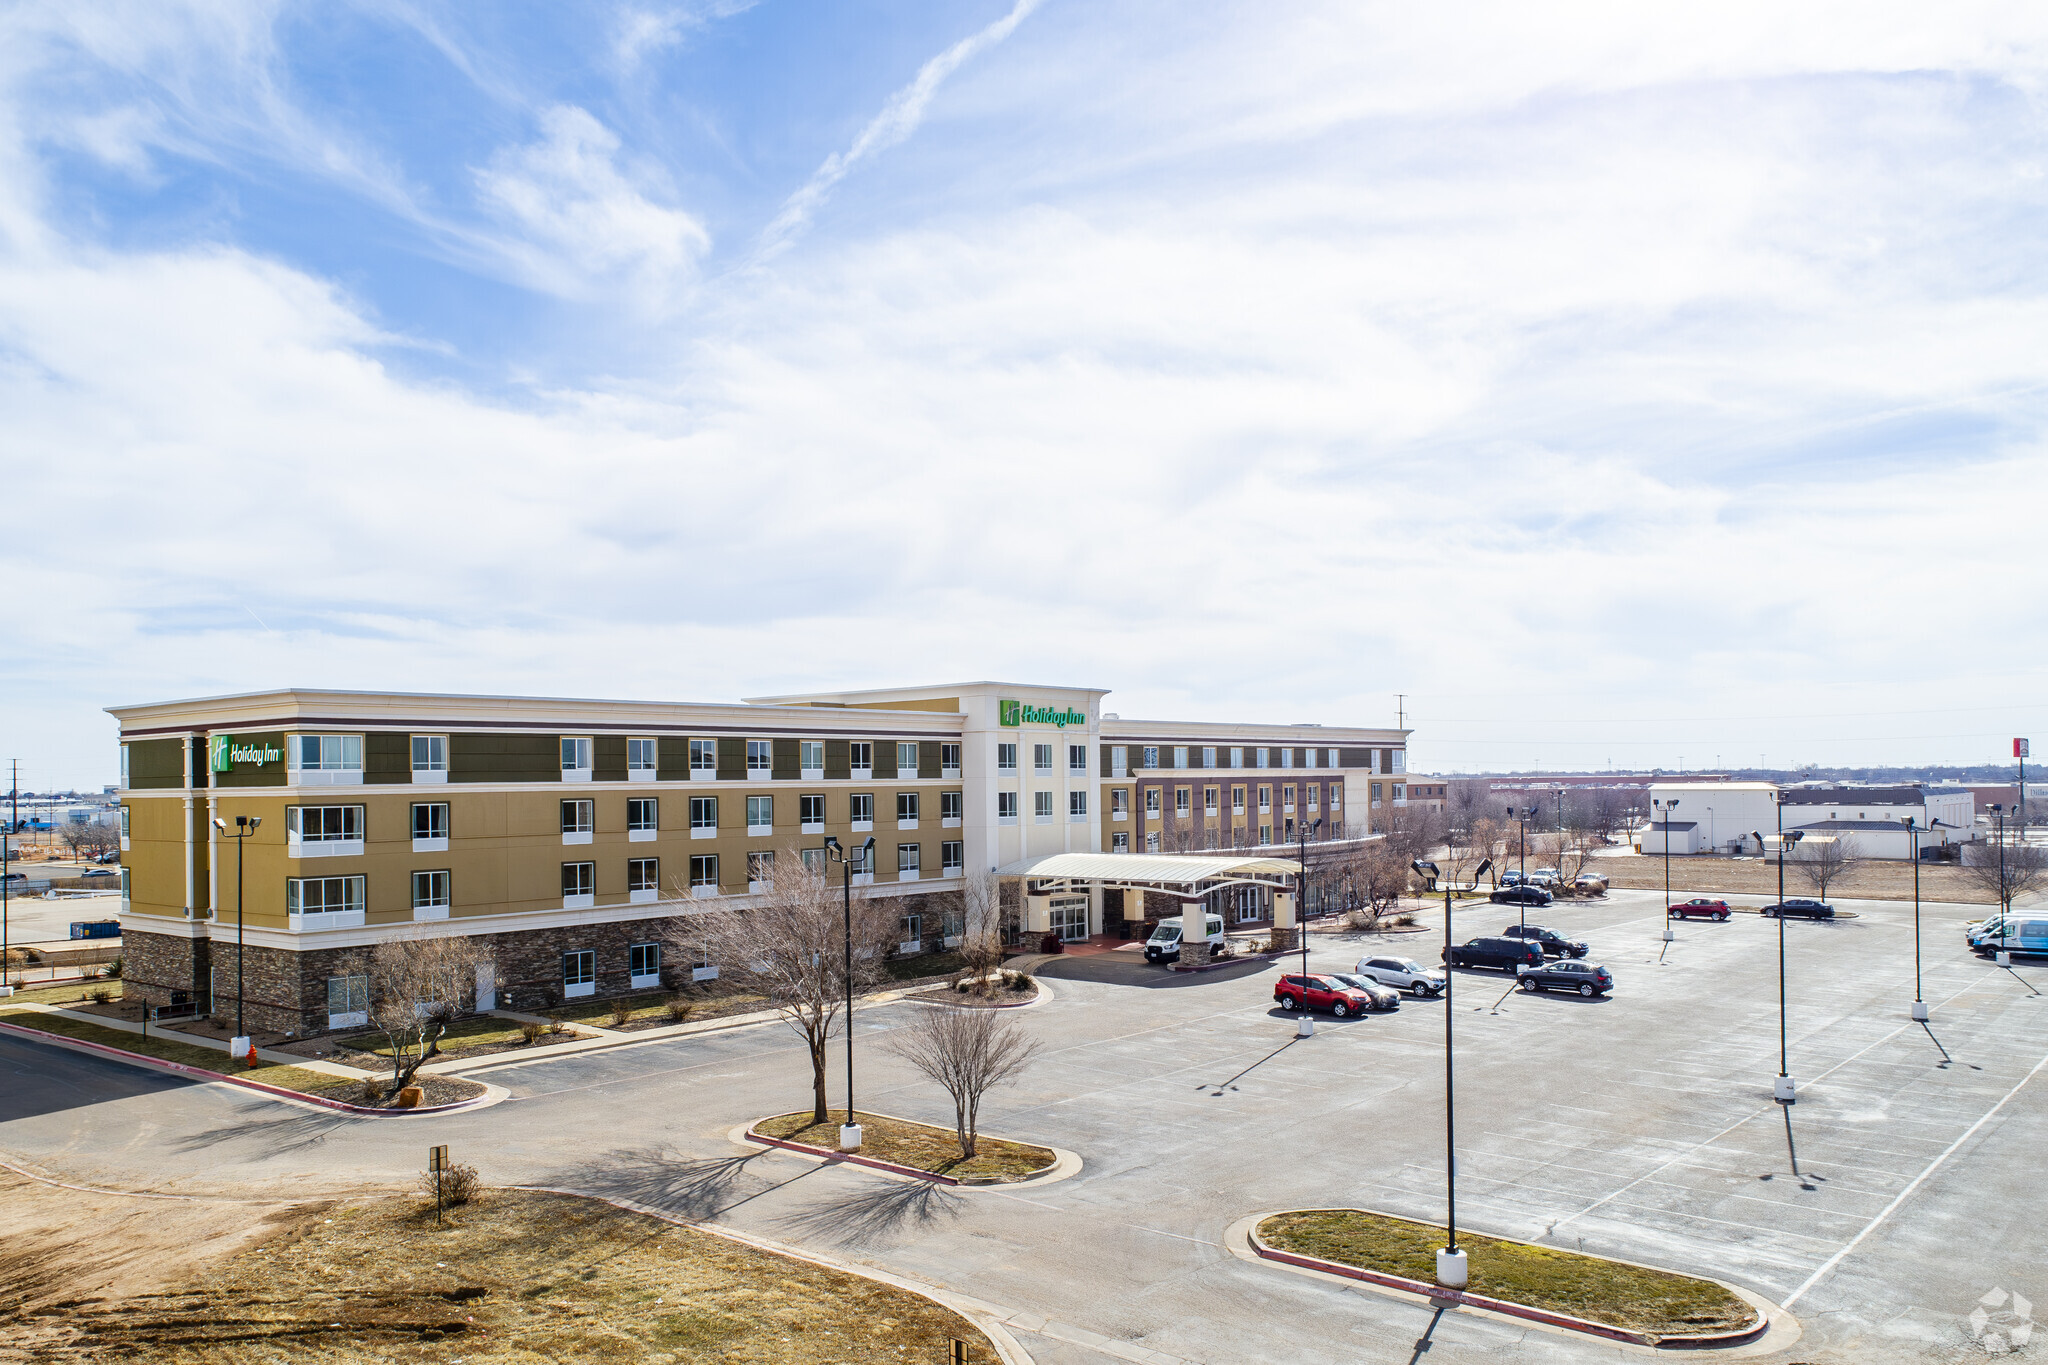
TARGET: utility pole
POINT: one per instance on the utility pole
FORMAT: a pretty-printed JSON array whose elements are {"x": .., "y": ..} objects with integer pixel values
[
  {"x": 1400, "y": 710},
  {"x": 6, "y": 855}
]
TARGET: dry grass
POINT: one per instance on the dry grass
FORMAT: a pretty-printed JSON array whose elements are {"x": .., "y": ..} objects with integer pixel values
[
  {"x": 513, "y": 1279},
  {"x": 1631, "y": 1297},
  {"x": 161, "y": 1046},
  {"x": 1703, "y": 873},
  {"x": 917, "y": 1145}
]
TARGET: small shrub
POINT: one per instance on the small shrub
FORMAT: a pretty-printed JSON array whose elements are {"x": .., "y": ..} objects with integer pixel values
[
  {"x": 621, "y": 1013},
  {"x": 88, "y": 972},
  {"x": 532, "y": 1032},
  {"x": 459, "y": 1185},
  {"x": 371, "y": 1092},
  {"x": 114, "y": 968},
  {"x": 1405, "y": 918},
  {"x": 99, "y": 995},
  {"x": 679, "y": 1011},
  {"x": 1016, "y": 981},
  {"x": 556, "y": 1025}
]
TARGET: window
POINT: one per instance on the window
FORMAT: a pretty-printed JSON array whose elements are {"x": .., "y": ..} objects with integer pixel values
[
  {"x": 1006, "y": 808},
  {"x": 1265, "y": 834},
  {"x": 761, "y": 870},
  {"x": 1180, "y": 755},
  {"x": 760, "y": 758},
  {"x": 949, "y": 760},
  {"x": 579, "y": 817},
  {"x": 703, "y": 758},
  {"x": 1237, "y": 800},
  {"x": 704, "y": 874},
  {"x": 950, "y": 805},
  {"x": 814, "y": 861},
  {"x": 703, "y": 815},
  {"x": 861, "y": 757},
  {"x": 906, "y": 808},
  {"x": 1041, "y": 807},
  {"x": 1287, "y": 830},
  {"x": 1041, "y": 757},
  {"x": 644, "y": 875},
  {"x": 1208, "y": 755},
  {"x": 640, "y": 759},
  {"x": 1006, "y": 758},
  {"x": 348, "y": 1001},
  {"x": 575, "y": 755},
  {"x": 1400, "y": 791},
  {"x": 429, "y": 755},
  {"x": 952, "y": 856},
  {"x": 1259, "y": 757},
  {"x": 1400, "y": 760},
  {"x": 1287, "y": 798},
  {"x": 1209, "y": 801},
  {"x": 1151, "y": 803},
  {"x": 910, "y": 933},
  {"x": 327, "y": 901},
  {"x": 1330, "y": 759},
  {"x": 760, "y": 815},
  {"x": 1237, "y": 758},
  {"x": 1077, "y": 759},
  {"x": 1120, "y": 842},
  {"x": 579, "y": 880},
  {"x": 124, "y": 765},
  {"x": 906, "y": 858},
  {"x": 1315, "y": 796},
  {"x": 324, "y": 824},
  {"x": 810, "y": 810},
  {"x": 1287, "y": 758},
  {"x": 1148, "y": 757},
  {"x": 1152, "y": 842},
  {"x": 1119, "y": 760},
  {"x": 430, "y": 895},
  {"x": 643, "y": 964},
  {"x": 1183, "y": 802},
  {"x": 327, "y": 753},
  {"x": 860, "y": 809},
  {"x": 124, "y": 823},
  {"x": 1265, "y": 799},
  {"x": 861, "y": 859},
  {"x": 579, "y": 972},
  {"x": 1119, "y": 803},
  {"x": 429, "y": 821},
  {"x": 906, "y": 758},
  {"x": 811, "y": 758},
  {"x": 1077, "y": 806},
  {"x": 643, "y": 815}
]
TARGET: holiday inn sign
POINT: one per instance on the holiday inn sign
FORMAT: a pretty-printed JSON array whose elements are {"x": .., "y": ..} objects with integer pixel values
[
  {"x": 1010, "y": 712},
  {"x": 225, "y": 753}
]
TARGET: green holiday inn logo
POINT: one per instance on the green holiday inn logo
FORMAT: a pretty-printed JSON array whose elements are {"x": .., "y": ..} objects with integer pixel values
[
  {"x": 224, "y": 753},
  {"x": 1010, "y": 712}
]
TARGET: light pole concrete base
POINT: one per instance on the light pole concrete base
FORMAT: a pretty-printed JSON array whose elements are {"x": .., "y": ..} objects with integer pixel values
[
  {"x": 1784, "y": 1091},
  {"x": 849, "y": 1137},
  {"x": 1669, "y": 936},
  {"x": 238, "y": 1047},
  {"x": 1304, "y": 1027},
  {"x": 1450, "y": 1268},
  {"x": 2005, "y": 959},
  {"x": 1919, "y": 1011}
]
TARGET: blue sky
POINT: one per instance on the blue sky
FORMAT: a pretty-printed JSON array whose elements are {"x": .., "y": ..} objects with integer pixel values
[{"x": 1619, "y": 382}]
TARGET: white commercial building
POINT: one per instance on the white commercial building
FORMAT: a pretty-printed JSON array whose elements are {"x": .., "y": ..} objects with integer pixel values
[{"x": 1722, "y": 817}]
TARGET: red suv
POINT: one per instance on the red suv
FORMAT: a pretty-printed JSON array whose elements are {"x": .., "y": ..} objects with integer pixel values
[
  {"x": 1701, "y": 907},
  {"x": 1320, "y": 993}
]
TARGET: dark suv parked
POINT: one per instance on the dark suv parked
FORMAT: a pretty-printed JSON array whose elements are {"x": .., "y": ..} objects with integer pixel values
[
  {"x": 1504, "y": 954},
  {"x": 1550, "y": 941}
]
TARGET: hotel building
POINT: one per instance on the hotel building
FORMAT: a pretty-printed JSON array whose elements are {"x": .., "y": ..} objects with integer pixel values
[{"x": 578, "y": 838}]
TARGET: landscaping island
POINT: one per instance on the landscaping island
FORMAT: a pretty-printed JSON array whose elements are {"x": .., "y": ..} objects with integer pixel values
[
  {"x": 920, "y": 1146},
  {"x": 1655, "y": 1303}
]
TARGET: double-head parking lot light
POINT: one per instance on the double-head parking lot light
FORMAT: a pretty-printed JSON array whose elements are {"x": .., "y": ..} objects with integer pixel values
[
  {"x": 245, "y": 825},
  {"x": 1450, "y": 1262}
]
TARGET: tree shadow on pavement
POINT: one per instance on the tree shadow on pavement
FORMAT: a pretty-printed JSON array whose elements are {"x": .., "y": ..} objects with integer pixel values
[
  {"x": 295, "y": 1133},
  {"x": 866, "y": 1216},
  {"x": 691, "y": 1187}
]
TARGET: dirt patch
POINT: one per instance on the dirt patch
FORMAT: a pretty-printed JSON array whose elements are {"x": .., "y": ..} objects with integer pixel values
[
  {"x": 516, "y": 1279},
  {"x": 1698, "y": 873},
  {"x": 435, "y": 1090},
  {"x": 918, "y": 1145},
  {"x": 1632, "y": 1297}
]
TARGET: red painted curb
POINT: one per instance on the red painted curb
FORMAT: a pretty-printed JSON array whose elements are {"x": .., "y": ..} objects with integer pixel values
[
  {"x": 1459, "y": 1296},
  {"x": 856, "y": 1158},
  {"x": 160, "y": 1063}
]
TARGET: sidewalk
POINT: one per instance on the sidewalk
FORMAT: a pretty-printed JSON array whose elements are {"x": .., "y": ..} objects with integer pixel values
[{"x": 199, "y": 1040}]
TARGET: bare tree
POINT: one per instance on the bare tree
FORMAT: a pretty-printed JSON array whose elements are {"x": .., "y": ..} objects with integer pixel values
[
  {"x": 981, "y": 930},
  {"x": 418, "y": 987},
  {"x": 791, "y": 947},
  {"x": 967, "y": 1052},
  {"x": 1829, "y": 862},
  {"x": 2006, "y": 872}
]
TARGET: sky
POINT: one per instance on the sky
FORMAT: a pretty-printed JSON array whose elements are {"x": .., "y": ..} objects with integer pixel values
[{"x": 1586, "y": 385}]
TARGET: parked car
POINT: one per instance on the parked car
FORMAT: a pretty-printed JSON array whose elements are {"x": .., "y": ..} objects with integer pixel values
[
  {"x": 1700, "y": 907},
  {"x": 1545, "y": 877},
  {"x": 1504, "y": 954},
  {"x": 17, "y": 876},
  {"x": 1320, "y": 993},
  {"x": 2016, "y": 935},
  {"x": 1550, "y": 941},
  {"x": 1797, "y": 907},
  {"x": 1512, "y": 878},
  {"x": 1164, "y": 945},
  {"x": 99, "y": 872},
  {"x": 1402, "y": 973},
  {"x": 1521, "y": 895},
  {"x": 1587, "y": 978},
  {"x": 1590, "y": 884},
  {"x": 1382, "y": 997}
]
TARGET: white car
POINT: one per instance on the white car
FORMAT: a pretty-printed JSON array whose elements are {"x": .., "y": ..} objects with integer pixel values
[{"x": 1402, "y": 974}]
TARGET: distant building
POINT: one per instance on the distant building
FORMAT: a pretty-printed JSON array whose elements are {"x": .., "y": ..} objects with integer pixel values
[{"x": 1724, "y": 817}]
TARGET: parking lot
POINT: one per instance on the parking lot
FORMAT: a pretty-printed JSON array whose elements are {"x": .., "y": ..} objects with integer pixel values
[{"x": 1638, "y": 1126}]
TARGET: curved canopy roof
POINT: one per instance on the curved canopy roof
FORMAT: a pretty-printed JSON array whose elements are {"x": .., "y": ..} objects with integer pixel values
[{"x": 1147, "y": 869}]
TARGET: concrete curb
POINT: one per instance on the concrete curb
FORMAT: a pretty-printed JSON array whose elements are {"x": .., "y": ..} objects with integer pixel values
[
  {"x": 492, "y": 1094},
  {"x": 1065, "y": 1164},
  {"x": 338, "y": 1070},
  {"x": 1040, "y": 995},
  {"x": 1771, "y": 1319},
  {"x": 1007, "y": 1346}
]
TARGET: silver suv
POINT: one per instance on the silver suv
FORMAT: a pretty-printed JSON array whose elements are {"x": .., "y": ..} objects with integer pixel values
[{"x": 1402, "y": 974}]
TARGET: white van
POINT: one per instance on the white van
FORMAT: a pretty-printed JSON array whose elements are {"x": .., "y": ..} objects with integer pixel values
[
  {"x": 2016, "y": 935},
  {"x": 1164, "y": 945}
]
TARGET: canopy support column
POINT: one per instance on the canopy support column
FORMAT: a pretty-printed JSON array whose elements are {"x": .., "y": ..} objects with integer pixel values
[{"x": 1284, "y": 929}]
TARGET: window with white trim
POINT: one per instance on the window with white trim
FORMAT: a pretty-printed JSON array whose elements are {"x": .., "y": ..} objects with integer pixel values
[
  {"x": 1336, "y": 797},
  {"x": 324, "y": 824},
  {"x": 1041, "y": 757},
  {"x": 906, "y": 808},
  {"x": 704, "y": 756},
  {"x": 1006, "y": 807},
  {"x": 906, "y": 758},
  {"x": 814, "y": 861},
  {"x": 703, "y": 812},
  {"x": 575, "y": 755},
  {"x": 1400, "y": 760},
  {"x": 761, "y": 870},
  {"x": 704, "y": 871},
  {"x": 1077, "y": 759},
  {"x": 579, "y": 967},
  {"x": 1180, "y": 755},
  {"x": 952, "y": 856},
  {"x": 1148, "y": 757},
  {"x": 348, "y": 1001},
  {"x": 1208, "y": 755},
  {"x": 1120, "y": 842},
  {"x": 640, "y": 759},
  {"x": 1209, "y": 795},
  {"x": 760, "y": 757},
  {"x": 1119, "y": 760},
  {"x": 1237, "y": 758},
  {"x": 1183, "y": 802},
  {"x": 643, "y": 814},
  {"x": 579, "y": 879},
  {"x": 1151, "y": 803},
  {"x": 1152, "y": 842},
  {"x": 643, "y": 874},
  {"x": 430, "y": 753},
  {"x": 949, "y": 760},
  {"x": 325, "y": 895},
  {"x": 429, "y": 892},
  {"x": 1237, "y": 800},
  {"x": 1259, "y": 757},
  {"x": 1006, "y": 758},
  {"x": 906, "y": 858},
  {"x": 1287, "y": 758},
  {"x": 1041, "y": 807},
  {"x": 811, "y": 757},
  {"x": 1265, "y": 799},
  {"x": 643, "y": 964},
  {"x": 860, "y": 756},
  {"x": 950, "y": 805},
  {"x": 860, "y": 808},
  {"x": 1077, "y": 805},
  {"x": 326, "y": 753},
  {"x": 1119, "y": 803},
  {"x": 430, "y": 820},
  {"x": 810, "y": 811},
  {"x": 760, "y": 814},
  {"x": 579, "y": 817}
]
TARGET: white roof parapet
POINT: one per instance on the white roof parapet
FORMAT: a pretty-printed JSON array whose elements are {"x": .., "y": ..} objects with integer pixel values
[{"x": 1153, "y": 869}]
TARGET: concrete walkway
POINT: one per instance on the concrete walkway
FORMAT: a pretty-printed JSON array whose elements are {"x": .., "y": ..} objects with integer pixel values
[{"x": 265, "y": 1053}]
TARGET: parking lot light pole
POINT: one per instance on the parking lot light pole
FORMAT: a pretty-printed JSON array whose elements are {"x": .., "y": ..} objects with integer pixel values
[
  {"x": 849, "y": 1132},
  {"x": 1783, "y": 1090},
  {"x": 245, "y": 825},
  {"x": 1667, "y": 807},
  {"x": 1450, "y": 1262},
  {"x": 1919, "y": 1003},
  {"x": 1523, "y": 815},
  {"x": 1306, "y": 1026}
]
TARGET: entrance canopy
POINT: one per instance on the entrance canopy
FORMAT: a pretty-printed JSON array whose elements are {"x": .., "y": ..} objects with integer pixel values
[{"x": 1153, "y": 871}]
